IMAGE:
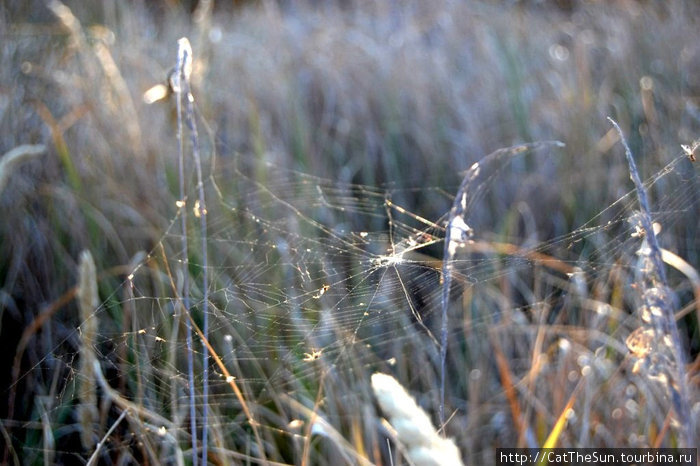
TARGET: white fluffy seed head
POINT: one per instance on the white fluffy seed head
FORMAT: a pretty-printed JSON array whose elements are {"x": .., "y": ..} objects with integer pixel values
[{"x": 424, "y": 446}]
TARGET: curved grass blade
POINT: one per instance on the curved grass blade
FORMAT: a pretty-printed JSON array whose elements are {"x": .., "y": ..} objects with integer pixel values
[{"x": 458, "y": 232}]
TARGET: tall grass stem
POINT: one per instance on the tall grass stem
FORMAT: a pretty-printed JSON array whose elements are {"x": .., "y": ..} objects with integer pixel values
[
  {"x": 180, "y": 71},
  {"x": 657, "y": 277},
  {"x": 185, "y": 50}
]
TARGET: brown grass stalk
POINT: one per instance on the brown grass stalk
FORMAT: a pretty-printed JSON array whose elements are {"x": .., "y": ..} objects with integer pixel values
[
  {"x": 509, "y": 390},
  {"x": 656, "y": 295},
  {"x": 88, "y": 301}
]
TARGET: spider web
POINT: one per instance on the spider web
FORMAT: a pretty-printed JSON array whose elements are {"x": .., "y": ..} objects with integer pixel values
[{"x": 312, "y": 283}]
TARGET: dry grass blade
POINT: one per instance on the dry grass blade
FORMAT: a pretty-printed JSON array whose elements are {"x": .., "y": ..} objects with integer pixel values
[
  {"x": 319, "y": 426},
  {"x": 88, "y": 301},
  {"x": 113, "y": 395},
  {"x": 11, "y": 159},
  {"x": 49, "y": 443},
  {"x": 231, "y": 380},
  {"x": 10, "y": 450},
  {"x": 69, "y": 21},
  {"x": 686, "y": 269},
  {"x": 509, "y": 388},
  {"x": 27, "y": 335},
  {"x": 116, "y": 96},
  {"x": 658, "y": 301},
  {"x": 458, "y": 233},
  {"x": 93, "y": 457},
  {"x": 645, "y": 218},
  {"x": 553, "y": 437}
]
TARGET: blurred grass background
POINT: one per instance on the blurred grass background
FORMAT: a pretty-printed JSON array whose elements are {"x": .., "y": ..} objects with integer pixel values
[{"x": 385, "y": 94}]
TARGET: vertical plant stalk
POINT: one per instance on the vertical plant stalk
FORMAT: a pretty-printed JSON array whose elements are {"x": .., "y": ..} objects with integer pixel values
[
  {"x": 88, "y": 301},
  {"x": 184, "y": 72},
  {"x": 459, "y": 233},
  {"x": 656, "y": 277},
  {"x": 182, "y": 68}
]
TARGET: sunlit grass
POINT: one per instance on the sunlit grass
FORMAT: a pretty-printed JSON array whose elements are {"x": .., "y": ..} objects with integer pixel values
[{"x": 333, "y": 141}]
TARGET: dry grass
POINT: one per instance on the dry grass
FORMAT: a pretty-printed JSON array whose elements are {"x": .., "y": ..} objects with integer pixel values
[
  {"x": 375, "y": 110},
  {"x": 88, "y": 302},
  {"x": 15, "y": 157}
]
